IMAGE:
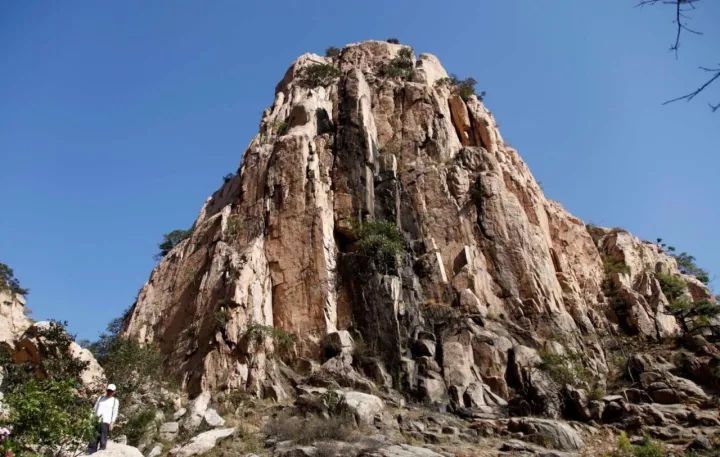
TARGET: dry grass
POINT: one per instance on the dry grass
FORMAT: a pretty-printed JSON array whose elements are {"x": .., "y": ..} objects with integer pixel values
[{"x": 312, "y": 428}]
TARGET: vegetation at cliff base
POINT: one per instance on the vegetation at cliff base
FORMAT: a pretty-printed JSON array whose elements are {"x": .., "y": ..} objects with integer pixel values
[
  {"x": 647, "y": 448},
  {"x": 172, "y": 239},
  {"x": 45, "y": 403},
  {"x": 8, "y": 281}
]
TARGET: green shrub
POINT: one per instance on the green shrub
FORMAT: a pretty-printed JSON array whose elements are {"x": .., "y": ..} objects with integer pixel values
[
  {"x": 382, "y": 241},
  {"x": 49, "y": 412},
  {"x": 332, "y": 51},
  {"x": 465, "y": 88},
  {"x": 137, "y": 424},
  {"x": 648, "y": 448},
  {"x": 318, "y": 74},
  {"x": 686, "y": 264},
  {"x": 235, "y": 227},
  {"x": 393, "y": 41},
  {"x": 44, "y": 403},
  {"x": 280, "y": 127},
  {"x": 132, "y": 366},
  {"x": 569, "y": 369},
  {"x": 283, "y": 341},
  {"x": 8, "y": 281},
  {"x": 611, "y": 265},
  {"x": 400, "y": 66},
  {"x": 172, "y": 239},
  {"x": 672, "y": 286}
]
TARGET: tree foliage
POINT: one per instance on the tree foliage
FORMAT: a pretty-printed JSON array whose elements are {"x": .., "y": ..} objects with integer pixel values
[
  {"x": 8, "y": 281},
  {"x": 45, "y": 404},
  {"x": 172, "y": 239},
  {"x": 318, "y": 74}
]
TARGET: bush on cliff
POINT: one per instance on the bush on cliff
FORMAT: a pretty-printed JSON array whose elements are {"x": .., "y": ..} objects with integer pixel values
[
  {"x": 400, "y": 66},
  {"x": 318, "y": 74},
  {"x": 172, "y": 239},
  {"x": 381, "y": 241},
  {"x": 8, "y": 281}
]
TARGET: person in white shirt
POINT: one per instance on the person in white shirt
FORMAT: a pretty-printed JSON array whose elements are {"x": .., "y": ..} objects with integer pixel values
[{"x": 106, "y": 409}]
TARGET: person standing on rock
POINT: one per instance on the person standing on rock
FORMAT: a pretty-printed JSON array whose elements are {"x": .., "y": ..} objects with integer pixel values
[{"x": 106, "y": 409}]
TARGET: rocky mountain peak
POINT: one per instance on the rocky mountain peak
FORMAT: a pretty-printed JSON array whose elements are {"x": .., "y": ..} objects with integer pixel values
[{"x": 381, "y": 234}]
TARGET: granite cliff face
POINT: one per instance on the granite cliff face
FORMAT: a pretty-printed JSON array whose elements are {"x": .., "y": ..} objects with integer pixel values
[{"x": 492, "y": 277}]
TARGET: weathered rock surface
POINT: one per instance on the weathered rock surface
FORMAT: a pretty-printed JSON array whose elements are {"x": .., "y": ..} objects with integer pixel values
[
  {"x": 118, "y": 450},
  {"x": 203, "y": 442},
  {"x": 13, "y": 321},
  {"x": 493, "y": 279}
]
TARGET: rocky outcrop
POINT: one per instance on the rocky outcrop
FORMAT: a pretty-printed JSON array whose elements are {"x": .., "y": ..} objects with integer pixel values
[
  {"x": 492, "y": 281},
  {"x": 13, "y": 318}
]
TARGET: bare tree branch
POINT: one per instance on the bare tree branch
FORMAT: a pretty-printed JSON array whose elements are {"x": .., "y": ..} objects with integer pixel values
[
  {"x": 691, "y": 95},
  {"x": 680, "y": 21}
]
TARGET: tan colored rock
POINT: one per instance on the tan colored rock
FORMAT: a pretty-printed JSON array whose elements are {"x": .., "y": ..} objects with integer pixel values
[
  {"x": 13, "y": 321},
  {"x": 276, "y": 246}
]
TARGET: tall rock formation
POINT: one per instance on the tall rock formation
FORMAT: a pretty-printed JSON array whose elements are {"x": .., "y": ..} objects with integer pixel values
[{"x": 492, "y": 275}]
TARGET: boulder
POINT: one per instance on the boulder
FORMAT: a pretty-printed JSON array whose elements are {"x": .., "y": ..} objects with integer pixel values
[
  {"x": 197, "y": 410},
  {"x": 559, "y": 435},
  {"x": 203, "y": 442},
  {"x": 364, "y": 406},
  {"x": 404, "y": 450},
  {"x": 169, "y": 430},
  {"x": 213, "y": 419}
]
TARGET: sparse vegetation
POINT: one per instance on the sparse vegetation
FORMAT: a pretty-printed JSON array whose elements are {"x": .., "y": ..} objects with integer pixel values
[
  {"x": 465, "y": 88},
  {"x": 672, "y": 286},
  {"x": 8, "y": 281},
  {"x": 686, "y": 262},
  {"x": 567, "y": 368},
  {"x": 280, "y": 127},
  {"x": 312, "y": 428},
  {"x": 234, "y": 227},
  {"x": 648, "y": 448},
  {"x": 611, "y": 266},
  {"x": 332, "y": 51},
  {"x": 283, "y": 341},
  {"x": 401, "y": 66},
  {"x": 228, "y": 177},
  {"x": 381, "y": 241},
  {"x": 393, "y": 41},
  {"x": 318, "y": 74},
  {"x": 137, "y": 424},
  {"x": 172, "y": 239}
]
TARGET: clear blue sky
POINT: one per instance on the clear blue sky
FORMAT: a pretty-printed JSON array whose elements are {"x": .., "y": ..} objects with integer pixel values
[{"x": 118, "y": 119}]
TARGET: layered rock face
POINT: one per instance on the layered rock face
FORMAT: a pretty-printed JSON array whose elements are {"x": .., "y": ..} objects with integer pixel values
[{"x": 492, "y": 274}]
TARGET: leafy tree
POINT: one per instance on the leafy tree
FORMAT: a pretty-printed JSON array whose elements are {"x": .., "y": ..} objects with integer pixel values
[
  {"x": 332, "y": 51},
  {"x": 465, "y": 88},
  {"x": 8, "y": 281},
  {"x": 49, "y": 413},
  {"x": 694, "y": 317},
  {"x": 172, "y": 239},
  {"x": 45, "y": 404},
  {"x": 686, "y": 264},
  {"x": 128, "y": 364}
]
